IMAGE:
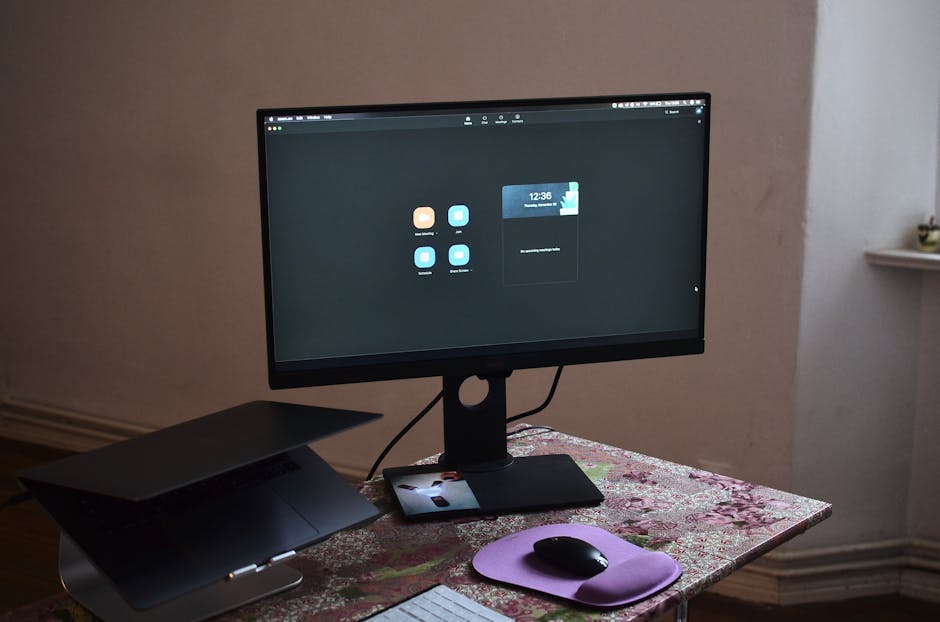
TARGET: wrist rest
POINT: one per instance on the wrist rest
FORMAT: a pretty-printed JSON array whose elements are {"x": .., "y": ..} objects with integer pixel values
[{"x": 633, "y": 573}]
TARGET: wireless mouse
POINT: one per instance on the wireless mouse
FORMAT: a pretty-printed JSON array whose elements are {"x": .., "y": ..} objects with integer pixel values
[{"x": 571, "y": 555}]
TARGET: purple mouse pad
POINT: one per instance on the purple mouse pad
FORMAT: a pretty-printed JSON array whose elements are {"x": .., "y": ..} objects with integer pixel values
[{"x": 633, "y": 573}]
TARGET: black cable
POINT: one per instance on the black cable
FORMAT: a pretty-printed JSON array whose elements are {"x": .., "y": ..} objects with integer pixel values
[
  {"x": 16, "y": 499},
  {"x": 535, "y": 429},
  {"x": 411, "y": 424},
  {"x": 551, "y": 394}
]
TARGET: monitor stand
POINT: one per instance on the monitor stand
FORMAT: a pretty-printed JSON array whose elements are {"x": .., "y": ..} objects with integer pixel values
[
  {"x": 475, "y": 445},
  {"x": 95, "y": 591}
]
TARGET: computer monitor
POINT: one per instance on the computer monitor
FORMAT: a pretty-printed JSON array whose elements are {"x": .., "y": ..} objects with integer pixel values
[{"x": 476, "y": 238}]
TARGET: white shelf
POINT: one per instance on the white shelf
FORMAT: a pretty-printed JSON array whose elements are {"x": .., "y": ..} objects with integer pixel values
[{"x": 903, "y": 258}]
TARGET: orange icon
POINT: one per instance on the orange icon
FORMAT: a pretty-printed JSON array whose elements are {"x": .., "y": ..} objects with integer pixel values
[{"x": 424, "y": 217}]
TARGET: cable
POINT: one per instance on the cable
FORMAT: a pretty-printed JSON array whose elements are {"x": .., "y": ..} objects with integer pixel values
[
  {"x": 551, "y": 394},
  {"x": 16, "y": 499},
  {"x": 404, "y": 430},
  {"x": 538, "y": 429}
]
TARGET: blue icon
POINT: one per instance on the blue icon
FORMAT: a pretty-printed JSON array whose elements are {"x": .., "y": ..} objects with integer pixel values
[
  {"x": 458, "y": 215},
  {"x": 424, "y": 257},
  {"x": 459, "y": 255}
]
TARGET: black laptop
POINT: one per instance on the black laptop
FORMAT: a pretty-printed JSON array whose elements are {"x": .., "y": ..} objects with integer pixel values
[{"x": 186, "y": 506}]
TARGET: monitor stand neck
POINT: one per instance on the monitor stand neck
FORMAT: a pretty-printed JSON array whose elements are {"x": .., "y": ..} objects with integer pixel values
[{"x": 475, "y": 435}]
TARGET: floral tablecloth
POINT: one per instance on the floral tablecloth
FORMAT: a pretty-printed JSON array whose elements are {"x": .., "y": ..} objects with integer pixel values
[{"x": 710, "y": 523}]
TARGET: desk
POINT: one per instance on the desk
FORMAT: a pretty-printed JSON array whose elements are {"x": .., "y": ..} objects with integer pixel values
[{"x": 711, "y": 523}]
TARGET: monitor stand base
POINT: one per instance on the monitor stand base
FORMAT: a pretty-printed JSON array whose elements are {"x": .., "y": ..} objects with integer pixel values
[
  {"x": 533, "y": 483},
  {"x": 95, "y": 592},
  {"x": 528, "y": 483}
]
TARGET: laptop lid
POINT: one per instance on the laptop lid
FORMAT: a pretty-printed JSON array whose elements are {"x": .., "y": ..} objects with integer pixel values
[{"x": 195, "y": 450}]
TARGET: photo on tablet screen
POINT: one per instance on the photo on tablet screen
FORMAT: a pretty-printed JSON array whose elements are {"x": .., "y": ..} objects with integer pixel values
[{"x": 431, "y": 492}]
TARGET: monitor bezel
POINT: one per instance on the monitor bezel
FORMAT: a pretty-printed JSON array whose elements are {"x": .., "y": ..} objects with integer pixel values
[{"x": 476, "y": 360}]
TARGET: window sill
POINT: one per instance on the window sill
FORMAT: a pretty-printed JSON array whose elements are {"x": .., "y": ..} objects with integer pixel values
[{"x": 903, "y": 258}]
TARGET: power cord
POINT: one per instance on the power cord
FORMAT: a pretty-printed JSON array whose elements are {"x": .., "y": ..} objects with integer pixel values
[
  {"x": 534, "y": 429},
  {"x": 544, "y": 405},
  {"x": 404, "y": 430}
]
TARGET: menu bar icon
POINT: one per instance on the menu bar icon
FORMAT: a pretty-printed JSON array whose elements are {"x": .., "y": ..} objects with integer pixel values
[{"x": 659, "y": 103}]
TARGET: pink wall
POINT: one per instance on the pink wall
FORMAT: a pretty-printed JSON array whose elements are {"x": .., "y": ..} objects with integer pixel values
[{"x": 130, "y": 235}]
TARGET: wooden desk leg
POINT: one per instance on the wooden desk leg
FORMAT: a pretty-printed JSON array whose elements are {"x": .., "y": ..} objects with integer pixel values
[{"x": 682, "y": 612}]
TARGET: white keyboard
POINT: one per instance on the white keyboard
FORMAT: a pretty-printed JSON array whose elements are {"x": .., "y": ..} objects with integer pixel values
[{"x": 439, "y": 604}]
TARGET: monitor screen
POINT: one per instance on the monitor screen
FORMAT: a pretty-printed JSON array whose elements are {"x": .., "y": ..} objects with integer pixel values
[{"x": 480, "y": 237}]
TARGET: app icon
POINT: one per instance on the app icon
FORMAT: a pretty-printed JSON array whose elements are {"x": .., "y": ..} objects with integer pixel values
[
  {"x": 458, "y": 215},
  {"x": 459, "y": 255},
  {"x": 424, "y": 217},
  {"x": 424, "y": 257}
]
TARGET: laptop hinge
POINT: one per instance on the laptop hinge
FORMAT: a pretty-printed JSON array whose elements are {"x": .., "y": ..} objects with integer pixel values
[
  {"x": 253, "y": 568},
  {"x": 244, "y": 570},
  {"x": 279, "y": 558}
]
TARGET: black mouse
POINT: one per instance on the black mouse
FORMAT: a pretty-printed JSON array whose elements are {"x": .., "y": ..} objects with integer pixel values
[{"x": 571, "y": 554}]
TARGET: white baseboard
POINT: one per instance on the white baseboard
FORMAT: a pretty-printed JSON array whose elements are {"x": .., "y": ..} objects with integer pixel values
[
  {"x": 56, "y": 427},
  {"x": 907, "y": 566},
  {"x": 921, "y": 578}
]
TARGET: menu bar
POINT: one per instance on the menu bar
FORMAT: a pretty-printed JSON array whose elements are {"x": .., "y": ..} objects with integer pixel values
[{"x": 400, "y": 119}]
